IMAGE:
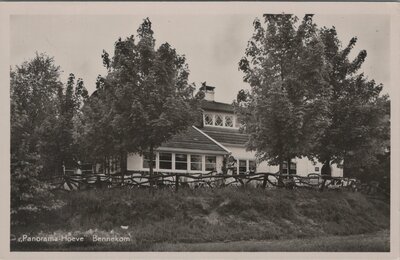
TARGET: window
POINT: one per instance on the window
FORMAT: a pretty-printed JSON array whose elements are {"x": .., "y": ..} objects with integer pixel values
[
  {"x": 293, "y": 166},
  {"x": 196, "y": 163},
  {"x": 180, "y": 161},
  {"x": 317, "y": 169},
  {"x": 229, "y": 121},
  {"x": 208, "y": 119},
  {"x": 213, "y": 119},
  {"x": 292, "y": 169},
  {"x": 242, "y": 166},
  {"x": 218, "y": 120},
  {"x": 211, "y": 163},
  {"x": 165, "y": 161},
  {"x": 284, "y": 166},
  {"x": 146, "y": 160},
  {"x": 252, "y": 166}
]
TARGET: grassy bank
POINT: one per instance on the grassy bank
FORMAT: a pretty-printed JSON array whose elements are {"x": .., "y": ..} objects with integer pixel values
[
  {"x": 374, "y": 242},
  {"x": 164, "y": 217}
]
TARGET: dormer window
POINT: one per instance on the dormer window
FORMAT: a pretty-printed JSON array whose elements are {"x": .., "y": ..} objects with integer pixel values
[
  {"x": 218, "y": 120},
  {"x": 208, "y": 119},
  {"x": 229, "y": 121}
]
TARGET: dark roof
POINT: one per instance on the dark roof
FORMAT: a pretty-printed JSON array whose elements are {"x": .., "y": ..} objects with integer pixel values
[
  {"x": 216, "y": 106},
  {"x": 226, "y": 136},
  {"x": 192, "y": 139}
]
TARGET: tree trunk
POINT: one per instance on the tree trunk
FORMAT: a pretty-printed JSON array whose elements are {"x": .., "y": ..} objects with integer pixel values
[
  {"x": 265, "y": 181},
  {"x": 325, "y": 172},
  {"x": 104, "y": 165},
  {"x": 346, "y": 170},
  {"x": 107, "y": 165},
  {"x": 280, "y": 181},
  {"x": 326, "y": 168},
  {"x": 290, "y": 183},
  {"x": 122, "y": 164},
  {"x": 224, "y": 165},
  {"x": 151, "y": 154}
]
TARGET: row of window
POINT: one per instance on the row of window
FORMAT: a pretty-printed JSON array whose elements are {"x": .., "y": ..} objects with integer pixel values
[
  {"x": 194, "y": 162},
  {"x": 211, "y": 119},
  {"x": 170, "y": 161}
]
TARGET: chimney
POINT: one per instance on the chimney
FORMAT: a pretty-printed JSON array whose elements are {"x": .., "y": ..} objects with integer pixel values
[{"x": 208, "y": 91}]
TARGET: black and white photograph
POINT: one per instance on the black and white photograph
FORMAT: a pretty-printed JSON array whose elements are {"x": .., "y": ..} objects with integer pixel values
[{"x": 253, "y": 129}]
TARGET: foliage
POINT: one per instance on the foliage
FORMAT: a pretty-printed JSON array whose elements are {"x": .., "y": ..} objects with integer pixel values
[
  {"x": 34, "y": 110},
  {"x": 41, "y": 133},
  {"x": 359, "y": 115},
  {"x": 308, "y": 99},
  {"x": 286, "y": 108},
  {"x": 30, "y": 196},
  {"x": 143, "y": 101},
  {"x": 71, "y": 101}
]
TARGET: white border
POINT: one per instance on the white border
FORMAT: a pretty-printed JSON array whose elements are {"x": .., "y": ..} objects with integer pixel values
[{"x": 197, "y": 8}]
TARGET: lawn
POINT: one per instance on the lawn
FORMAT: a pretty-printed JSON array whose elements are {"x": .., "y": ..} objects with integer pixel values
[{"x": 375, "y": 242}]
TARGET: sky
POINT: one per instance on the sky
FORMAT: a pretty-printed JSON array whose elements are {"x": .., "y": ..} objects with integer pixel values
[{"x": 212, "y": 44}]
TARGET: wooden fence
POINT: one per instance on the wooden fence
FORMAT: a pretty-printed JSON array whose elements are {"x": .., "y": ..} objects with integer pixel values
[{"x": 210, "y": 180}]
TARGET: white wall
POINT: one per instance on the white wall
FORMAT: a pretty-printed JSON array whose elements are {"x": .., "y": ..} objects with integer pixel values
[
  {"x": 134, "y": 162},
  {"x": 241, "y": 153},
  {"x": 304, "y": 165}
]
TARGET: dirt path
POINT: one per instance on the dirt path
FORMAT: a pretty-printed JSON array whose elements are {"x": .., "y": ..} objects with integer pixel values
[{"x": 377, "y": 242}]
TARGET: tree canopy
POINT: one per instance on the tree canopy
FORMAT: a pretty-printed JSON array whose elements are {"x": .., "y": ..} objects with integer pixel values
[
  {"x": 359, "y": 115},
  {"x": 143, "y": 100},
  {"x": 287, "y": 103},
  {"x": 42, "y": 126},
  {"x": 307, "y": 97}
]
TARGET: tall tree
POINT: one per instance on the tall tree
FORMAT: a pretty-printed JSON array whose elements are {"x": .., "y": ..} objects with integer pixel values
[
  {"x": 357, "y": 112},
  {"x": 34, "y": 88},
  {"x": 96, "y": 134},
  {"x": 70, "y": 102},
  {"x": 34, "y": 110},
  {"x": 287, "y": 104},
  {"x": 145, "y": 96}
]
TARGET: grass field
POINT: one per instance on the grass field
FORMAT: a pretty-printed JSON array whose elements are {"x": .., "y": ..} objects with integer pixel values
[
  {"x": 375, "y": 242},
  {"x": 228, "y": 219}
]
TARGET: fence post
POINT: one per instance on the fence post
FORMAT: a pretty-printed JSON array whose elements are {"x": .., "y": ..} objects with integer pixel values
[
  {"x": 265, "y": 181},
  {"x": 176, "y": 182},
  {"x": 321, "y": 189}
]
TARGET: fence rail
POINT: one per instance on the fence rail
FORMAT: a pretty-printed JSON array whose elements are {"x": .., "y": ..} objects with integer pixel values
[{"x": 210, "y": 180}]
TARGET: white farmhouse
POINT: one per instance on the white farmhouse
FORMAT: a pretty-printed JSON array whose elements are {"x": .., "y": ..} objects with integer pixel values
[{"x": 202, "y": 149}]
